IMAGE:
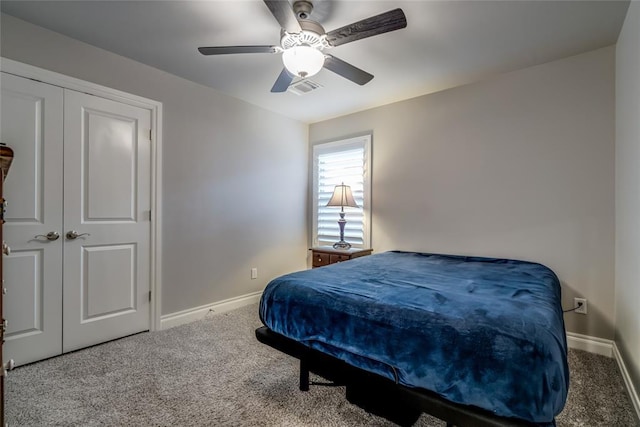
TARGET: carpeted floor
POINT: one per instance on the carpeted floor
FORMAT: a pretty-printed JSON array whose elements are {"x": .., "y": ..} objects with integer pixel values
[{"x": 214, "y": 373}]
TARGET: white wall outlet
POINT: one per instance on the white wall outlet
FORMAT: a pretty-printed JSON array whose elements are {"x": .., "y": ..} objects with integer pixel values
[
  {"x": 582, "y": 309},
  {"x": 254, "y": 273}
]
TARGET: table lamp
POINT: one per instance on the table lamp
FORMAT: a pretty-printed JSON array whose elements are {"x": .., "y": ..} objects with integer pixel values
[{"x": 342, "y": 197}]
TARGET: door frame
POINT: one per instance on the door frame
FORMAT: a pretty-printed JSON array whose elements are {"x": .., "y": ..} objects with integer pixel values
[{"x": 19, "y": 69}]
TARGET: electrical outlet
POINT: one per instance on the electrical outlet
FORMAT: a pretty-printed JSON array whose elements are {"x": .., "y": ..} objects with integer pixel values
[
  {"x": 254, "y": 273},
  {"x": 582, "y": 309}
]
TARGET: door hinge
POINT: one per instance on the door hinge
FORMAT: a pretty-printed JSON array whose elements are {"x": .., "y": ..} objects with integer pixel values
[
  {"x": 149, "y": 134},
  {"x": 149, "y": 296},
  {"x": 149, "y": 215}
]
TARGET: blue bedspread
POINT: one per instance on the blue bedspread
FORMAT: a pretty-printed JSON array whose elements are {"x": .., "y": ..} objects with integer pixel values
[{"x": 478, "y": 331}]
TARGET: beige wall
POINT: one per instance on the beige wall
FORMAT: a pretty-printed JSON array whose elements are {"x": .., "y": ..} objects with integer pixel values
[
  {"x": 519, "y": 166},
  {"x": 235, "y": 175},
  {"x": 628, "y": 193}
]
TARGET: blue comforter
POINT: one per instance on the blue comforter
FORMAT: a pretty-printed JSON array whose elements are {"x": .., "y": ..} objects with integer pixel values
[{"x": 478, "y": 331}]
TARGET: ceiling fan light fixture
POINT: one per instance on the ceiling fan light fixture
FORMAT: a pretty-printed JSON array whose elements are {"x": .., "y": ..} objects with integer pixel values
[{"x": 303, "y": 61}]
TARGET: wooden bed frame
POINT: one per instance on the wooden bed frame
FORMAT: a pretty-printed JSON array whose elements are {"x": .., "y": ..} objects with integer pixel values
[{"x": 379, "y": 395}]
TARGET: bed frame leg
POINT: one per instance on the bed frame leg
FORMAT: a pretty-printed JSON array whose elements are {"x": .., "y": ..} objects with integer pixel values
[{"x": 304, "y": 375}]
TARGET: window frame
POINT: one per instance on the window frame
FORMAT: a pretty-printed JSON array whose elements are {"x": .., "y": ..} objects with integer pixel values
[{"x": 361, "y": 141}]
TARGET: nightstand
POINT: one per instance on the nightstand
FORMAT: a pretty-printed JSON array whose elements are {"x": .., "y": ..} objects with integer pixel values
[{"x": 325, "y": 255}]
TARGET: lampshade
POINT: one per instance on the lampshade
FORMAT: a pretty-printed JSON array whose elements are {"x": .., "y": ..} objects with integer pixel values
[
  {"x": 342, "y": 196},
  {"x": 303, "y": 61}
]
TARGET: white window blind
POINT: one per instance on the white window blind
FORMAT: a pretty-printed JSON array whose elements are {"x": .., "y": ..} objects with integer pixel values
[{"x": 338, "y": 162}]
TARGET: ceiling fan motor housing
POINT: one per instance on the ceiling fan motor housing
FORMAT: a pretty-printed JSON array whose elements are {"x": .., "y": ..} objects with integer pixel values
[{"x": 312, "y": 34}]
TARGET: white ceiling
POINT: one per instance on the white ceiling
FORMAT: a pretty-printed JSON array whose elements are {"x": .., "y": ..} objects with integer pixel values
[{"x": 445, "y": 44}]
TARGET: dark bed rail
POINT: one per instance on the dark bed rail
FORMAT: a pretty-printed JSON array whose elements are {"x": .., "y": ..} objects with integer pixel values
[{"x": 359, "y": 384}]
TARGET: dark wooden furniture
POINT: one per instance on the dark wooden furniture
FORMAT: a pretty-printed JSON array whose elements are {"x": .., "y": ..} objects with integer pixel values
[
  {"x": 325, "y": 255},
  {"x": 6, "y": 157},
  {"x": 1, "y": 312}
]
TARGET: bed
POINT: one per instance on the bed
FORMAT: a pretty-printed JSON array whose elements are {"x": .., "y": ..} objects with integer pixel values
[{"x": 473, "y": 341}]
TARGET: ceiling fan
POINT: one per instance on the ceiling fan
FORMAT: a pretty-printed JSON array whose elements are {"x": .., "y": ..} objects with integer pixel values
[{"x": 302, "y": 42}]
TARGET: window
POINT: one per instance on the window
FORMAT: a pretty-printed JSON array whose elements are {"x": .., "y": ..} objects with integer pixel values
[{"x": 347, "y": 161}]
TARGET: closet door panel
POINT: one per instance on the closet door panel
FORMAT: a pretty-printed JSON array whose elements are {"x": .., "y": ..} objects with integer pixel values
[{"x": 106, "y": 204}]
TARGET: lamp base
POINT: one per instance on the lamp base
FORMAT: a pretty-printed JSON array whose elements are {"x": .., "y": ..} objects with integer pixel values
[{"x": 342, "y": 245}]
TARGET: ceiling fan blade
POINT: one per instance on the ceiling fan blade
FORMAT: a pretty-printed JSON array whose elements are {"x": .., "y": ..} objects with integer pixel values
[
  {"x": 282, "y": 11},
  {"x": 379, "y": 24},
  {"x": 282, "y": 83},
  {"x": 347, "y": 70},
  {"x": 224, "y": 50}
]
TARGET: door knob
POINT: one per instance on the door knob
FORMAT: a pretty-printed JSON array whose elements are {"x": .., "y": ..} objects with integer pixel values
[
  {"x": 71, "y": 235},
  {"x": 52, "y": 235}
]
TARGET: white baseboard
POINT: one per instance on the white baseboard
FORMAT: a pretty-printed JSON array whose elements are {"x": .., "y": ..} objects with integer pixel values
[
  {"x": 197, "y": 313},
  {"x": 633, "y": 393},
  {"x": 595, "y": 345},
  {"x": 607, "y": 348}
]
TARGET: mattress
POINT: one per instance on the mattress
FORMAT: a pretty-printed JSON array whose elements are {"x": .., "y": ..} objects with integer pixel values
[{"x": 483, "y": 332}]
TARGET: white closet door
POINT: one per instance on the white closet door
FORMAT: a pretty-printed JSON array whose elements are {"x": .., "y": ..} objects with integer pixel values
[
  {"x": 32, "y": 126},
  {"x": 107, "y": 203}
]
